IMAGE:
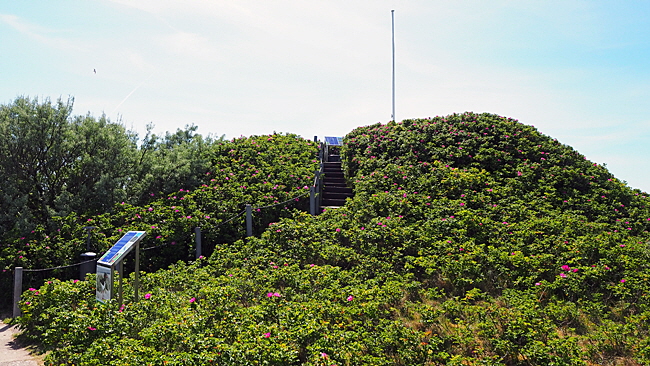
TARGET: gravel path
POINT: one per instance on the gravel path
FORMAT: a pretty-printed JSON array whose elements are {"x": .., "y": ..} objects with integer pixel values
[{"x": 10, "y": 353}]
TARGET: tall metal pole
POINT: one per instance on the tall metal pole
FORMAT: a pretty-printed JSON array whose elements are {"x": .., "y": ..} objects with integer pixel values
[{"x": 392, "y": 15}]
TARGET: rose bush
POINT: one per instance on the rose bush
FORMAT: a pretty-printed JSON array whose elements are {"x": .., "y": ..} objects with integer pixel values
[{"x": 472, "y": 239}]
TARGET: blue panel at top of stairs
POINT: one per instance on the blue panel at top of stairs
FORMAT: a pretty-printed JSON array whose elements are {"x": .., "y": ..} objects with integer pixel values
[{"x": 336, "y": 141}]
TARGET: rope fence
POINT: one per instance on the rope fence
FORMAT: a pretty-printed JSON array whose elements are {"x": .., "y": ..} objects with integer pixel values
[{"x": 53, "y": 268}]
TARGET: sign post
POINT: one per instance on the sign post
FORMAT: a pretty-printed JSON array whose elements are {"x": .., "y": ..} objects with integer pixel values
[{"x": 114, "y": 257}]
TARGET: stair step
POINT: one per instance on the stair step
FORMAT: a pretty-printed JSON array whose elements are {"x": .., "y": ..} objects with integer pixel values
[
  {"x": 333, "y": 158},
  {"x": 334, "y": 182},
  {"x": 335, "y": 195},
  {"x": 338, "y": 174},
  {"x": 332, "y": 168},
  {"x": 333, "y": 202},
  {"x": 338, "y": 189}
]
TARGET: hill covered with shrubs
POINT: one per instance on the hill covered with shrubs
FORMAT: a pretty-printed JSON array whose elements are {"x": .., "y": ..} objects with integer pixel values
[{"x": 472, "y": 239}]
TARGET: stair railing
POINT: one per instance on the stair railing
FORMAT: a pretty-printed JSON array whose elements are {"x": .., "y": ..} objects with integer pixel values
[{"x": 316, "y": 189}]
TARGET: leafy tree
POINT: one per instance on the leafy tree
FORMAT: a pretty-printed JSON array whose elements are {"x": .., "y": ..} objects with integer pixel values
[
  {"x": 52, "y": 163},
  {"x": 165, "y": 164}
]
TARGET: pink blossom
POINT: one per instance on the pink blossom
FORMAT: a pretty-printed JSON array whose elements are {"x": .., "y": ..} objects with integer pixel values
[
  {"x": 565, "y": 267},
  {"x": 147, "y": 296},
  {"x": 92, "y": 328},
  {"x": 563, "y": 275},
  {"x": 267, "y": 335},
  {"x": 192, "y": 300},
  {"x": 350, "y": 298}
]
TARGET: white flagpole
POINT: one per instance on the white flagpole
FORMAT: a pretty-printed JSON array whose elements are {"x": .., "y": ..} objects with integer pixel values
[{"x": 392, "y": 14}]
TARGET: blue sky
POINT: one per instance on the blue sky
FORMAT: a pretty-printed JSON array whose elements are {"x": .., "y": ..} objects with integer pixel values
[{"x": 576, "y": 70}]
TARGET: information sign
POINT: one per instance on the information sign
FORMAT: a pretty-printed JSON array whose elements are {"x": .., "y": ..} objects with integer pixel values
[
  {"x": 114, "y": 257},
  {"x": 120, "y": 249}
]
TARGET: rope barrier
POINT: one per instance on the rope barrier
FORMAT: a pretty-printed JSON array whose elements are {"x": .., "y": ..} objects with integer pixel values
[
  {"x": 59, "y": 267},
  {"x": 281, "y": 203}
]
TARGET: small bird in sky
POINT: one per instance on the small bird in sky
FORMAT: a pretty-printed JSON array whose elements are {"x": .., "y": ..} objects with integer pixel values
[{"x": 95, "y": 71}]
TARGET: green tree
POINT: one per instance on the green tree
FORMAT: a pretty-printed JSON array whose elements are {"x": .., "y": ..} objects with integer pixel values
[
  {"x": 52, "y": 163},
  {"x": 166, "y": 164}
]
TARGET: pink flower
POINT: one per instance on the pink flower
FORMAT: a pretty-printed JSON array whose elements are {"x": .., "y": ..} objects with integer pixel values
[
  {"x": 91, "y": 328},
  {"x": 267, "y": 335},
  {"x": 565, "y": 267},
  {"x": 623, "y": 280},
  {"x": 350, "y": 298},
  {"x": 192, "y": 300},
  {"x": 563, "y": 275},
  {"x": 147, "y": 296},
  {"x": 338, "y": 230},
  {"x": 537, "y": 284},
  {"x": 324, "y": 355}
]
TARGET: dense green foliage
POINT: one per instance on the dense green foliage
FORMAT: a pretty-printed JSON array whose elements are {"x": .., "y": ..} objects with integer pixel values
[
  {"x": 165, "y": 185},
  {"x": 53, "y": 164},
  {"x": 472, "y": 239}
]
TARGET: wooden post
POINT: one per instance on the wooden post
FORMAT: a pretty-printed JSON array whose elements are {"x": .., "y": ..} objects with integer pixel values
[
  {"x": 120, "y": 268},
  {"x": 18, "y": 289},
  {"x": 249, "y": 220},
  {"x": 197, "y": 239},
  {"x": 136, "y": 286}
]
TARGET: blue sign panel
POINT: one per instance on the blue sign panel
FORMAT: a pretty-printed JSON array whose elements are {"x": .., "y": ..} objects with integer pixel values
[
  {"x": 335, "y": 141},
  {"x": 121, "y": 248}
]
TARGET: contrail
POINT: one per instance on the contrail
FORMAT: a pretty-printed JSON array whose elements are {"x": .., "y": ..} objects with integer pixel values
[{"x": 132, "y": 91}]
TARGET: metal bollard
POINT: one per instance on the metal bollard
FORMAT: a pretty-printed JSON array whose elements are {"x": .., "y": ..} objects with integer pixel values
[{"x": 89, "y": 267}]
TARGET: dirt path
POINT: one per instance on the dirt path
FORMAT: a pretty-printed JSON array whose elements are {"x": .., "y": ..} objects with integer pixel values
[{"x": 11, "y": 354}]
